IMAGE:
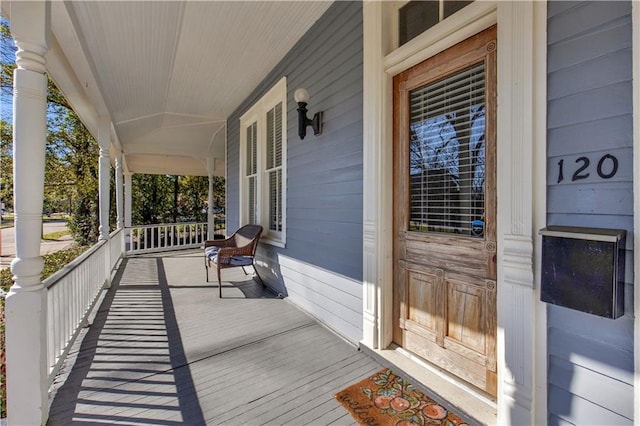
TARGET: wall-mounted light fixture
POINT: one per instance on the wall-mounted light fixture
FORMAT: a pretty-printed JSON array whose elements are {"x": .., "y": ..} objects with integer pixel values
[{"x": 302, "y": 98}]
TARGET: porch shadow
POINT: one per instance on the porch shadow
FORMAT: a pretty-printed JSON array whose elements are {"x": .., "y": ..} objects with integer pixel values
[
  {"x": 250, "y": 289},
  {"x": 131, "y": 365},
  {"x": 246, "y": 359},
  {"x": 187, "y": 396}
]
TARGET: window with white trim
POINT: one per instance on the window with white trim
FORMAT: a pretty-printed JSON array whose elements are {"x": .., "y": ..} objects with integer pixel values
[{"x": 262, "y": 164}]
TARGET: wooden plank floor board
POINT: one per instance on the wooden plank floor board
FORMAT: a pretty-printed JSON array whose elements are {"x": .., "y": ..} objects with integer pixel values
[
  {"x": 260, "y": 400},
  {"x": 326, "y": 409},
  {"x": 294, "y": 411},
  {"x": 262, "y": 406},
  {"x": 165, "y": 350},
  {"x": 264, "y": 368},
  {"x": 300, "y": 385},
  {"x": 336, "y": 416}
]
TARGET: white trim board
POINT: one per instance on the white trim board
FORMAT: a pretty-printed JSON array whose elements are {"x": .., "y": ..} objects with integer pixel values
[
  {"x": 257, "y": 113},
  {"x": 539, "y": 206},
  {"x": 635, "y": 24}
]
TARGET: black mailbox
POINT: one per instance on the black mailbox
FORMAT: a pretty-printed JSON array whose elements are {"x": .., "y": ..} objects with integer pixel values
[{"x": 583, "y": 269}]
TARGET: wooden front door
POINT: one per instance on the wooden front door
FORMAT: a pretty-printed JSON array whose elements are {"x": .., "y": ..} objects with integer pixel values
[{"x": 445, "y": 210}]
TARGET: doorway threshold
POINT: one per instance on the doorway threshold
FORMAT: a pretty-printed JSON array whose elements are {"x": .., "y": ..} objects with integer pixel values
[{"x": 444, "y": 389}]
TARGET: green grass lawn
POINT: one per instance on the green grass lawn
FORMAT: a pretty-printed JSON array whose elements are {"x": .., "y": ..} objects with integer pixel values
[{"x": 55, "y": 236}]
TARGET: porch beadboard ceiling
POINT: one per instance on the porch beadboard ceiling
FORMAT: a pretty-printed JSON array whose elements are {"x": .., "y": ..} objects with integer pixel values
[{"x": 169, "y": 73}]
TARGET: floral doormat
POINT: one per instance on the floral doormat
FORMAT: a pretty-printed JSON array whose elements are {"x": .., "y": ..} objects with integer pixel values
[{"x": 387, "y": 399}]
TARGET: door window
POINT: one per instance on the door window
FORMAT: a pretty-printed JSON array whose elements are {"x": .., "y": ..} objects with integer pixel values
[{"x": 447, "y": 154}]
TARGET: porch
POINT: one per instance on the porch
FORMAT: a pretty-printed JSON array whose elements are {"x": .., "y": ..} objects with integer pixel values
[{"x": 164, "y": 349}]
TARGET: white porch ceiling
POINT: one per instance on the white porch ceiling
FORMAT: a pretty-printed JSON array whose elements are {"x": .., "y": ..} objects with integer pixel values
[{"x": 169, "y": 73}]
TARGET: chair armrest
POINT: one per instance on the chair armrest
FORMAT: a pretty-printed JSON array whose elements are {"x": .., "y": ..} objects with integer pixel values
[
  {"x": 219, "y": 243},
  {"x": 225, "y": 254}
]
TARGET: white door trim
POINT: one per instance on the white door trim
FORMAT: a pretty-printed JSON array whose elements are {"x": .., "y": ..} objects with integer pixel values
[
  {"x": 521, "y": 178},
  {"x": 540, "y": 414},
  {"x": 635, "y": 23}
]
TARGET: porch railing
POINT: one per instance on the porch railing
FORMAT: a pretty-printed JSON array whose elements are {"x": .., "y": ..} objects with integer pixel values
[
  {"x": 71, "y": 294},
  {"x": 73, "y": 291},
  {"x": 166, "y": 236},
  {"x": 116, "y": 242}
]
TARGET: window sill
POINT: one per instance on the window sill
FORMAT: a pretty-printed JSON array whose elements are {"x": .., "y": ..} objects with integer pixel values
[{"x": 273, "y": 242}]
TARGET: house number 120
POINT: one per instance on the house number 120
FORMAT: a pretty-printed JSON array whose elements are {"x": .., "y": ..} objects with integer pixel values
[{"x": 607, "y": 168}]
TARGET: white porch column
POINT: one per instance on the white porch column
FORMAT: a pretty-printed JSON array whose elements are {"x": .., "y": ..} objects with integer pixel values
[
  {"x": 211, "y": 226},
  {"x": 127, "y": 212},
  {"x": 119, "y": 188},
  {"x": 127, "y": 200},
  {"x": 104, "y": 141},
  {"x": 26, "y": 305}
]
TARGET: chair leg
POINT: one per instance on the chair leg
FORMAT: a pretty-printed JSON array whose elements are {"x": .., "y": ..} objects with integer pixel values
[
  {"x": 219, "y": 284},
  {"x": 206, "y": 268},
  {"x": 245, "y": 271}
]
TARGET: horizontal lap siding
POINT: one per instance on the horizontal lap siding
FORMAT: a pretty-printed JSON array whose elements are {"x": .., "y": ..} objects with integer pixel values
[
  {"x": 320, "y": 268},
  {"x": 589, "y": 115}
]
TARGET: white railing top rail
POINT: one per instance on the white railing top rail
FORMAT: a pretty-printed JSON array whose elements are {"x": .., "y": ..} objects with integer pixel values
[
  {"x": 158, "y": 225},
  {"x": 69, "y": 267},
  {"x": 165, "y": 237}
]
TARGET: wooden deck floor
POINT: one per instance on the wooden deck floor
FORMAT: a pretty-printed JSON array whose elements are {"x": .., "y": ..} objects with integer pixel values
[{"x": 164, "y": 350}]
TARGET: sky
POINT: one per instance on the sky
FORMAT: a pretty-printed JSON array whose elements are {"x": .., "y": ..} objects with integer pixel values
[{"x": 7, "y": 54}]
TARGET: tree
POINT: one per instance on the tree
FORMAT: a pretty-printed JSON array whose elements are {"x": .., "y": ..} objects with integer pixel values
[
  {"x": 6, "y": 165},
  {"x": 71, "y": 168},
  {"x": 7, "y": 65},
  {"x": 152, "y": 200},
  {"x": 167, "y": 199},
  {"x": 76, "y": 152},
  {"x": 193, "y": 201}
]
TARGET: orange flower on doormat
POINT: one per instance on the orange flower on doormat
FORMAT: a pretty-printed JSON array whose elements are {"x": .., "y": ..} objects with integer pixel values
[{"x": 387, "y": 399}]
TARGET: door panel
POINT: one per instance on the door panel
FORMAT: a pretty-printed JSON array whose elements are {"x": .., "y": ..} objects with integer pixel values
[
  {"x": 465, "y": 314},
  {"x": 422, "y": 295},
  {"x": 444, "y": 210}
]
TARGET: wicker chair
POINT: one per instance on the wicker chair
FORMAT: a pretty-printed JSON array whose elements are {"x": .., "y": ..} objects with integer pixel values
[{"x": 236, "y": 251}]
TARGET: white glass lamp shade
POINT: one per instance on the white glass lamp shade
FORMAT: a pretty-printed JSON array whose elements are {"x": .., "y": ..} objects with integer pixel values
[{"x": 301, "y": 95}]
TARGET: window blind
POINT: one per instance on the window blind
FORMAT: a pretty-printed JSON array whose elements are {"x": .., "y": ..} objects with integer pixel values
[
  {"x": 274, "y": 166},
  {"x": 251, "y": 171},
  {"x": 447, "y": 154}
]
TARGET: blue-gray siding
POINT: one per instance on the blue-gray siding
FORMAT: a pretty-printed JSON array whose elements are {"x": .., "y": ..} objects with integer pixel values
[
  {"x": 324, "y": 173},
  {"x": 590, "y": 115}
]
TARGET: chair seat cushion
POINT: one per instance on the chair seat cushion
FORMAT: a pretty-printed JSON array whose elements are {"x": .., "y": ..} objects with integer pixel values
[
  {"x": 238, "y": 261},
  {"x": 211, "y": 252}
]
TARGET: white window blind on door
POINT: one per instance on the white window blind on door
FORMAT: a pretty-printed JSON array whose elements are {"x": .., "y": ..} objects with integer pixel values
[{"x": 447, "y": 154}]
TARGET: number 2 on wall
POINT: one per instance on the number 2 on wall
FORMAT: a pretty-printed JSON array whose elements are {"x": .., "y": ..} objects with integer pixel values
[{"x": 583, "y": 164}]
